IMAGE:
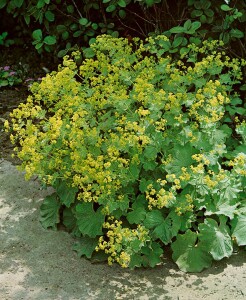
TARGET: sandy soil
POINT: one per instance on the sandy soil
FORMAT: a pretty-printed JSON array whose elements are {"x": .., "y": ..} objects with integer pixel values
[{"x": 39, "y": 264}]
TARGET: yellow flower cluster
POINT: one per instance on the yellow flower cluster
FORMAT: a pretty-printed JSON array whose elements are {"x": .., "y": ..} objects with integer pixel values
[
  {"x": 184, "y": 205},
  {"x": 159, "y": 199},
  {"x": 239, "y": 164},
  {"x": 119, "y": 239},
  {"x": 209, "y": 108}
]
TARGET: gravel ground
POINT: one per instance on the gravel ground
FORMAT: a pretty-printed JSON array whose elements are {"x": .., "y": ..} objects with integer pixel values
[{"x": 39, "y": 264}]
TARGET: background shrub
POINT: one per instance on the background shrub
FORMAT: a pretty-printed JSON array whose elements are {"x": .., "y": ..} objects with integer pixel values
[
  {"x": 60, "y": 26},
  {"x": 142, "y": 151}
]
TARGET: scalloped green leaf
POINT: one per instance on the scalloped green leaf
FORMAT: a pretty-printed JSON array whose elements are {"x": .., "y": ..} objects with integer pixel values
[
  {"x": 189, "y": 255},
  {"x": 153, "y": 219},
  {"x": 168, "y": 229},
  {"x": 239, "y": 231},
  {"x": 49, "y": 212},
  {"x": 182, "y": 157},
  {"x": 66, "y": 193},
  {"x": 89, "y": 221},
  {"x": 136, "y": 216},
  {"x": 216, "y": 239},
  {"x": 152, "y": 255}
]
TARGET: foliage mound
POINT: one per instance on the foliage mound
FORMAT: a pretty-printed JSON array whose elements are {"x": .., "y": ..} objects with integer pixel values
[{"x": 143, "y": 151}]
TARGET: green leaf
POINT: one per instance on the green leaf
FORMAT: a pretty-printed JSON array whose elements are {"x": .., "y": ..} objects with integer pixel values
[
  {"x": 149, "y": 165},
  {"x": 196, "y": 13},
  {"x": 136, "y": 245},
  {"x": 225, "y": 7},
  {"x": 62, "y": 53},
  {"x": 66, "y": 193},
  {"x": 153, "y": 219},
  {"x": 225, "y": 37},
  {"x": 37, "y": 34},
  {"x": 150, "y": 2},
  {"x": 88, "y": 53},
  {"x": 122, "y": 3},
  {"x": 89, "y": 221},
  {"x": 122, "y": 14},
  {"x": 85, "y": 246},
  {"x": 115, "y": 34},
  {"x": 83, "y": 21},
  {"x": 111, "y": 8},
  {"x": 49, "y": 211},
  {"x": 78, "y": 33},
  {"x": 243, "y": 87},
  {"x": 236, "y": 33},
  {"x": 222, "y": 209},
  {"x": 152, "y": 255},
  {"x": 177, "y": 29},
  {"x": 50, "y": 40},
  {"x": 136, "y": 261},
  {"x": 239, "y": 231},
  {"x": 195, "y": 40},
  {"x": 187, "y": 25},
  {"x": 70, "y": 9},
  {"x": 136, "y": 216},
  {"x": 2, "y": 3},
  {"x": 168, "y": 229},
  {"x": 184, "y": 51},
  {"x": 18, "y": 3},
  {"x": 49, "y": 15},
  {"x": 61, "y": 28},
  {"x": 99, "y": 256},
  {"x": 177, "y": 41},
  {"x": 144, "y": 184},
  {"x": 133, "y": 172},
  {"x": 182, "y": 157},
  {"x": 40, "y": 4},
  {"x": 94, "y": 26},
  {"x": 65, "y": 35},
  {"x": 68, "y": 219},
  {"x": 188, "y": 255},
  {"x": 4, "y": 82},
  {"x": 39, "y": 45},
  {"x": 209, "y": 13},
  {"x": 230, "y": 192},
  {"x": 216, "y": 239},
  {"x": 195, "y": 25}
]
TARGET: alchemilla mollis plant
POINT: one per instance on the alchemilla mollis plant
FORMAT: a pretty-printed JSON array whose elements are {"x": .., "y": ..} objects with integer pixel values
[{"x": 141, "y": 151}]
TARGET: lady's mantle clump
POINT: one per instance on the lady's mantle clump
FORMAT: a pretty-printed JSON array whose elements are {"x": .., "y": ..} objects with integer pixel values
[{"x": 142, "y": 152}]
